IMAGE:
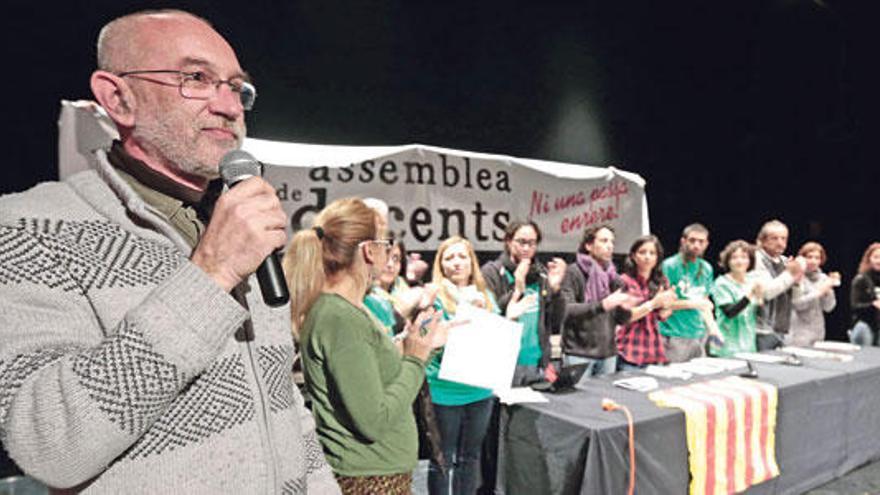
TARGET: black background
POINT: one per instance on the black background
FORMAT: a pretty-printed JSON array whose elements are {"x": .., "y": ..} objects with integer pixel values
[{"x": 733, "y": 111}]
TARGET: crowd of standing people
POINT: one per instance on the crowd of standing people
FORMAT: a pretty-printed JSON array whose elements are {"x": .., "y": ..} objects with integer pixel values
[
  {"x": 138, "y": 356},
  {"x": 652, "y": 310}
]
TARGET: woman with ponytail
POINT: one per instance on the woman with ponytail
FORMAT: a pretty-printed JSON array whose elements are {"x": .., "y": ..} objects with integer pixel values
[{"x": 362, "y": 388}]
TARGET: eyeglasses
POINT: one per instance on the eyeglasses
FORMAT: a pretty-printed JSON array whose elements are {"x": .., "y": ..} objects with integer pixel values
[
  {"x": 202, "y": 86},
  {"x": 384, "y": 243},
  {"x": 526, "y": 243}
]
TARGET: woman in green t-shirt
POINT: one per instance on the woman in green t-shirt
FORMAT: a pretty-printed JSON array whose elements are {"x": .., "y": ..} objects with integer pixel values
[
  {"x": 362, "y": 388},
  {"x": 391, "y": 300},
  {"x": 737, "y": 295},
  {"x": 462, "y": 411},
  {"x": 382, "y": 299}
]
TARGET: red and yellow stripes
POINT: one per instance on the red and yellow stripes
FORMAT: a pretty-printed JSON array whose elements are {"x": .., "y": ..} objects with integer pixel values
[{"x": 731, "y": 439}]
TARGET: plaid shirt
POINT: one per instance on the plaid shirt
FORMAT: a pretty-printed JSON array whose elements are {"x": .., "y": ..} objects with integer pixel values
[{"x": 639, "y": 342}]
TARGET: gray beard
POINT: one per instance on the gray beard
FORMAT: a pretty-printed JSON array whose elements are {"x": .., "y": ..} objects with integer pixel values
[
  {"x": 160, "y": 139},
  {"x": 158, "y": 142}
]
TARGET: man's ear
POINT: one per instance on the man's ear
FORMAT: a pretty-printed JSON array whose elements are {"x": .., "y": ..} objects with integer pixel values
[{"x": 113, "y": 93}]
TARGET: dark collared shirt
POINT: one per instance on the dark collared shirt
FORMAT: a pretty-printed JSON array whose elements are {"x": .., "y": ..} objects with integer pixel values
[{"x": 186, "y": 209}]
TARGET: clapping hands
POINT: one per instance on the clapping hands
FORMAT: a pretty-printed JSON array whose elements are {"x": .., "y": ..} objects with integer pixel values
[{"x": 520, "y": 306}]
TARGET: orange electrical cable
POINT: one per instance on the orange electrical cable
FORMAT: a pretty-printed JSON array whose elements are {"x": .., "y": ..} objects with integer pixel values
[{"x": 610, "y": 405}]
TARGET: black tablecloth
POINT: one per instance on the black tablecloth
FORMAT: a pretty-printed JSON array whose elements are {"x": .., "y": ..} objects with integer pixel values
[{"x": 828, "y": 422}]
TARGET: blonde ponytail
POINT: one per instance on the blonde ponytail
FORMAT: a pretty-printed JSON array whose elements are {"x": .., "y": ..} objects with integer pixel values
[
  {"x": 328, "y": 248},
  {"x": 304, "y": 270}
]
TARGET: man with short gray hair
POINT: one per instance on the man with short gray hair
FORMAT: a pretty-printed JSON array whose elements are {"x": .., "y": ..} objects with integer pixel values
[
  {"x": 136, "y": 353},
  {"x": 778, "y": 274}
]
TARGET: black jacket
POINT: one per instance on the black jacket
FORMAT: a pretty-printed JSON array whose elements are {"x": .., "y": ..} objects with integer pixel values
[
  {"x": 862, "y": 296},
  {"x": 551, "y": 306},
  {"x": 587, "y": 329}
]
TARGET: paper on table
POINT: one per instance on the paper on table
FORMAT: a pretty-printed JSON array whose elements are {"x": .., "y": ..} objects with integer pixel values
[
  {"x": 638, "y": 383},
  {"x": 520, "y": 395},
  {"x": 697, "y": 368},
  {"x": 482, "y": 352},
  {"x": 827, "y": 345},
  {"x": 668, "y": 372},
  {"x": 709, "y": 365},
  {"x": 761, "y": 358},
  {"x": 816, "y": 353},
  {"x": 725, "y": 364}
]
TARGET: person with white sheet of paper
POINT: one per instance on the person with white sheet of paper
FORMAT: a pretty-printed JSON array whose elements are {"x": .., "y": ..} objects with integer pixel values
[{"x": 462, "y": 411}]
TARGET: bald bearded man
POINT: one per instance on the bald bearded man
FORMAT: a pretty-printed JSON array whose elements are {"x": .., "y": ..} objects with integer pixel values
[{"x": 136, "y": 353}]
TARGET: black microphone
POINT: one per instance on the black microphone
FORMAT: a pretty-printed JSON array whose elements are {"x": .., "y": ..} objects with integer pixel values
[{"x": 236, "y": 166}]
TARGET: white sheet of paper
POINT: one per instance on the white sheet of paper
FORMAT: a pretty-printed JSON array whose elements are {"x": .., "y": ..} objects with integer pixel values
[
  {"x": 827, "y": 345},
  {"x": 761, "y": 358},
  {"x": 520, "y": 395},
  {"x": 816, "y": 353},
  {"x": 482, "y": 352},
  {"x": 638, "y": 383},
  {"x": 668, "y": 372},
  {"x": 725, "y": 364}
]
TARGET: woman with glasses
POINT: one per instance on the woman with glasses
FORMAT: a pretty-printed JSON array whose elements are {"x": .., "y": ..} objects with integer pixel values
[
  {"x": 381, "y": 301},
  {"x": 362, "y": 388},
  {"x": 391, "y": 299},
  {"x": 529, "y": 290},
  {"x": 462, "y": 411}
]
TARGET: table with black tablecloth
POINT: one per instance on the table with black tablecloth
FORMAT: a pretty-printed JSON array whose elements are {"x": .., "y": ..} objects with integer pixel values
[{"x": 828, "y": 423}]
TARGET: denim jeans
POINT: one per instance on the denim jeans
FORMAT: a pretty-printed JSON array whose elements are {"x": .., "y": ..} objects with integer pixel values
[
  {"x": 624, "y": 365},
  {"x": 861, "y": 334},
  {"x": 595, "y": 367},
  {"x": 462, "y": 429}
]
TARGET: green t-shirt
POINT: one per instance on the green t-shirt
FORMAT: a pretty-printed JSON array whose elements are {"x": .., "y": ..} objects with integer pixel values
[
  {"x": 530, "y": 343},
  {"x": 738, "y": 332},
  {"x": 362, "y": 390},
  {"x": 379, "y": 303},
  {"x": 448, "y": 393},
  {"x": 691, "y": 281}
]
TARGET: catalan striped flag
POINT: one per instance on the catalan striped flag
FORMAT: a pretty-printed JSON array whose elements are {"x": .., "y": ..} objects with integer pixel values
[{"x": 731, "y": 432}]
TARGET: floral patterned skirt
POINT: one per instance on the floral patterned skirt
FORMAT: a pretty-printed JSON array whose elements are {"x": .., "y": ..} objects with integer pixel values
[{"x": 391, "y": 484}]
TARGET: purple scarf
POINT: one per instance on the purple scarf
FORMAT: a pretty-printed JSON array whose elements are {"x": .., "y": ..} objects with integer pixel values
[{"x": 598, "y": 279}]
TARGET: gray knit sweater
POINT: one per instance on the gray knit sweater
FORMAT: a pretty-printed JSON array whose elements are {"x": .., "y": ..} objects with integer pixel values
[
  {"x": 808, "y": 308},
  {"x": 125, "y": 369}
]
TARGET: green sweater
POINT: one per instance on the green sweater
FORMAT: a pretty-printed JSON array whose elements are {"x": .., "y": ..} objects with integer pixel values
[{"x": 362, "y": 390}]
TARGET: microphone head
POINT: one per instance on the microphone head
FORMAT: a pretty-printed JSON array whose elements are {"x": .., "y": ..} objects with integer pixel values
[{"x": 238, "y": 165}]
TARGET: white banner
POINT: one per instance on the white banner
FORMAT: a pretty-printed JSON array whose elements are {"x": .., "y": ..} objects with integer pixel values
[{"x": 433, "y": 192}]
